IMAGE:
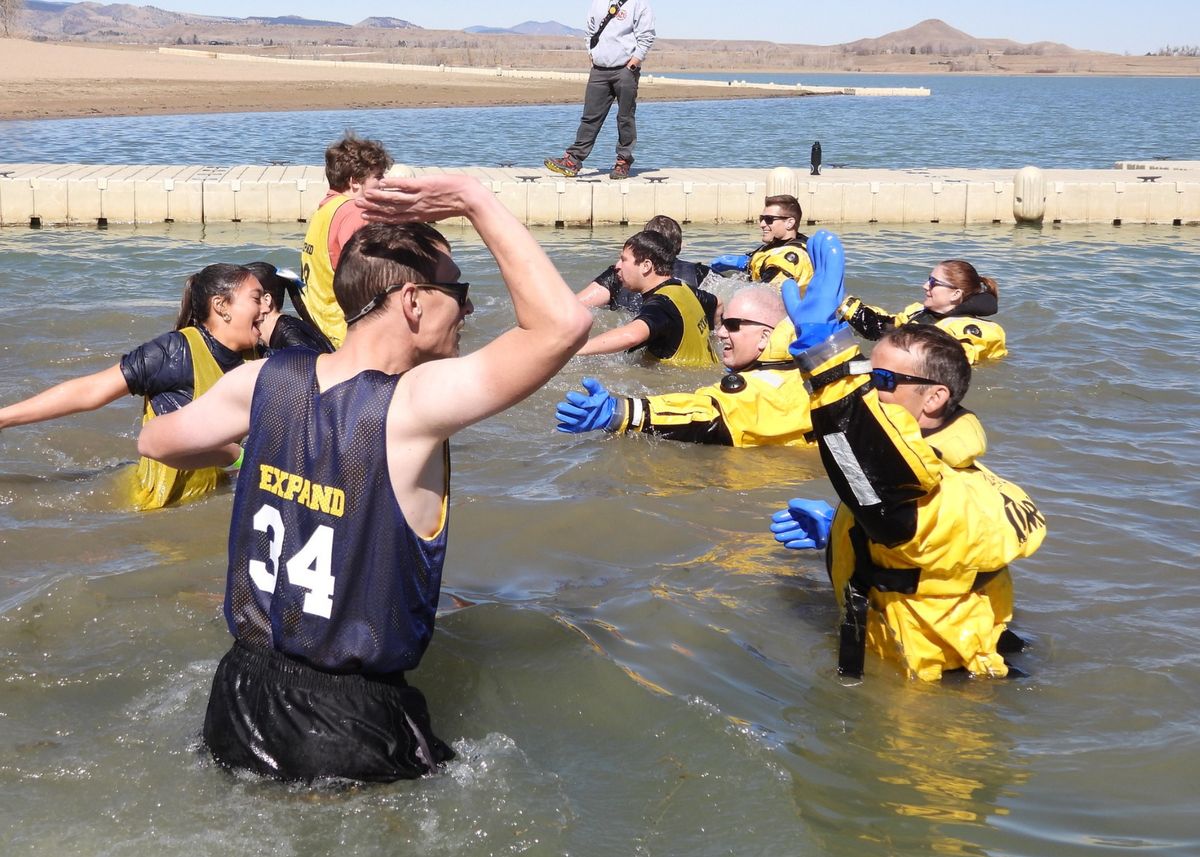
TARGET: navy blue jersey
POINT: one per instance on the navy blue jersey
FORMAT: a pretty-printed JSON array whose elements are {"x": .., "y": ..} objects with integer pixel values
[{"x": 323, "y": 566}]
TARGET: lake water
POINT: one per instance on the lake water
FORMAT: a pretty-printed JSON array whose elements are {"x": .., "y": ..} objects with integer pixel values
[
  {"x": 640, "y": 669},
  {"x": 985, "y": 122}
]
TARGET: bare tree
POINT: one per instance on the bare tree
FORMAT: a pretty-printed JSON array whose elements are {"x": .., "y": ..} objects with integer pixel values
[{"x": 10, "y": 11}]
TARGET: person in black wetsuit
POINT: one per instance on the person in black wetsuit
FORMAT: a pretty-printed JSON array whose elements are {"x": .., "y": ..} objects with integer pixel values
[
  {"x": 607, "y": 290},
  {"x": 671, "y": 326},
  {"x": 217, "y": 327},
  {"x": 278, "y": 330}
]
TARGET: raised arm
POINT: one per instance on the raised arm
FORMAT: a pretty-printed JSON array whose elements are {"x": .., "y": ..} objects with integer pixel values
[
  {"x": 70, "y": 397},
  {"x": 202, "y": 434},
  {"x": 443, "y": 396}
]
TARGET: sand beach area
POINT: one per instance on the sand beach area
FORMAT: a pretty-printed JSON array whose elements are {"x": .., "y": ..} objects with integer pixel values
[{"x": 48, "y": 81}]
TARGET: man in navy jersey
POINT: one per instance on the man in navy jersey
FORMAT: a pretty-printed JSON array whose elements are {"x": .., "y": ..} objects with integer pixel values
[{"x": 339, "y": 524}]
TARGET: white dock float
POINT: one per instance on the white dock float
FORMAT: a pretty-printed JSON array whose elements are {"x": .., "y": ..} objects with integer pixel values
[{"x": 77, "y": 194}]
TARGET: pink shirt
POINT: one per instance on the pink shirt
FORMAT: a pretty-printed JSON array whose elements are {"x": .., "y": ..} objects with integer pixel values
[{"x": 346, "y": 221}]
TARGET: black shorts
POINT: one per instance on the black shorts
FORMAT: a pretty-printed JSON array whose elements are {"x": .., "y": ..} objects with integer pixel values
[{"x": 283, "y": 719}]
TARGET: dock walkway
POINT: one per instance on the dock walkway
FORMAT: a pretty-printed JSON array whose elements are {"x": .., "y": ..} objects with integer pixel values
[{"x": 1133, "y": 192}]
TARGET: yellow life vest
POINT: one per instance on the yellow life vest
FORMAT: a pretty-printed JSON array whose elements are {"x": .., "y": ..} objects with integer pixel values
[
  {"x": 775, "y": 264},
  {"x": 980, "y": 338},
  {"x": 157, "y": 485},
  {"x": 695, "y": 346},
  {"x": 316, "y": 269}
]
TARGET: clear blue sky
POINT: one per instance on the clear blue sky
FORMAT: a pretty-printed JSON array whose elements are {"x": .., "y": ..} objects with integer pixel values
[{"x": 1104, "y": 25}]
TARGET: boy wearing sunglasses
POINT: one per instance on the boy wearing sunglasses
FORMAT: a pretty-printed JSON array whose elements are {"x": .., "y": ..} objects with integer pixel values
[
  {"x": 783, "y": 255},
  {"x": 762, "y": 400},
  {"x": 918, "y": 552},
  {"x": 339, "y": 526}
]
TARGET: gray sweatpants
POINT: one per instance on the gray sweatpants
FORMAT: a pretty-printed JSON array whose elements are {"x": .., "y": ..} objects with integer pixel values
[{"x": 603, "y": 87}]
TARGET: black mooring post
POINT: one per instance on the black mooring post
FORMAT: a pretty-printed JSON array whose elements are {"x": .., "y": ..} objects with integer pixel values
[{"x": 816, "y": 159}]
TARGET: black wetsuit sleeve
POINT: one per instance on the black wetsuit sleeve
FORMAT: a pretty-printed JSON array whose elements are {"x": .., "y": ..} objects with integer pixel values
[
  {"x": 609, "y": 280},
  {"x": 292, "y": 332},
  {"x": 161, "y": 370},
  {"x": 665, "y": 323},
  {"x": 708, "y": 302}
]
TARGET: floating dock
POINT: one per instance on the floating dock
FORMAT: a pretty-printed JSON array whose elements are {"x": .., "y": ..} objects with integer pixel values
[{"x": 1138, "y": 192}]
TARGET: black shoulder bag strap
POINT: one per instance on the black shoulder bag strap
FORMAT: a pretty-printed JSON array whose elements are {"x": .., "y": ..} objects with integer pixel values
[{"x": 613, "y": 9}]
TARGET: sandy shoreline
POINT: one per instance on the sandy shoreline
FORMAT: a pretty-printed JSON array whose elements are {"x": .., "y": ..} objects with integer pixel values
[
  {"x": 43, "y": 80},
  {"x": 51, "y": 81}
]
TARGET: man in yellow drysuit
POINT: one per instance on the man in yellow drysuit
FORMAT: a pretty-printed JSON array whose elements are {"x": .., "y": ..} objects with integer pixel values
[
  {"x": 761, "y": 401},
  {"x": 919, "y": 552}
]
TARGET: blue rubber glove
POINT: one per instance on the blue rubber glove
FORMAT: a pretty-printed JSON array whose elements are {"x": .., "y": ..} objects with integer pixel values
[
  {"x": 815, "y": 314},
  {"x": 803, "y": 525},
  {"x": 730, "y": 262},
  {"x": 578, "y": 413}
]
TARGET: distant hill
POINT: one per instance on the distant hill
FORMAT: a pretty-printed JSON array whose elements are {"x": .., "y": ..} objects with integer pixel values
[
  {"x": 126, "y": 22},
  {"x": 934, "y": 36},
  {"x": 531, "y": 28},
  {"x": 387, "y": 23},
  {"x": 292, "y": 21}
]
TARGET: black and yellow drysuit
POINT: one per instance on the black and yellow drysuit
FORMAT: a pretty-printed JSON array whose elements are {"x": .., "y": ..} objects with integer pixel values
[
  {"x": 765, "y": 404},
  {"x": 776, "y": 261},
  {"x": 980, "y": 339},
  {"x": 919, "y": 550}
]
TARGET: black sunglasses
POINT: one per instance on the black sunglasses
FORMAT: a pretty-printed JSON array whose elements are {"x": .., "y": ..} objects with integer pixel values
[
  {"x": 771, "y": 218},
  {"x": 458, "y": 291},
  {"x": 887, "y": 380},
  {"x": 734, "y": 324}
]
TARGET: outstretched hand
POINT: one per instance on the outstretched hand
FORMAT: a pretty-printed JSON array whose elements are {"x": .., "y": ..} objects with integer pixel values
[
  {"x": 803, "y": 525},
  {"x": 729, "y": 263},
  {"x": 815, "y": 311},
  {"x": 578, "y": 412},
  {"x": 425, "y": 199}
]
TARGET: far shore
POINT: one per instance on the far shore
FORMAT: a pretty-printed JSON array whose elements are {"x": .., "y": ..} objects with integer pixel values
[
  {"x": 56, "y": 81},
  {"x": 43, "y": 80}
]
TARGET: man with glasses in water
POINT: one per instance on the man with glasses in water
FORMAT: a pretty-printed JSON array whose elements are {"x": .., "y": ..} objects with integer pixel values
[
  {"x": 919, "y": 549},
  {"x": 762, "y": 400},
  {"x": 339, "y": 524},
  {"x": 783, "y": 255}
]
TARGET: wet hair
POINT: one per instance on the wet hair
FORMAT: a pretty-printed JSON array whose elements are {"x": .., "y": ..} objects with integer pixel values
[
  {"x": 383, "y": 254},
  {"x": 939, "y": 357},
  {"x": 354, "y": 159},
  {"x": 219, "y": 280},
  {"x": 276, "y": 286},
  {"x": 962, "y": 275},
  {"x": 789, "y": 204},
  {"x": 669, "y": 228},
  {"x": 653, "y": 246}
]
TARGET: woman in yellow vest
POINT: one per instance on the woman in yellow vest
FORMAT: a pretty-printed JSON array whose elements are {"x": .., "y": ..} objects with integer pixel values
[
  {"x": 956, "y": 299},
  {"x": 217, "y": 327}
]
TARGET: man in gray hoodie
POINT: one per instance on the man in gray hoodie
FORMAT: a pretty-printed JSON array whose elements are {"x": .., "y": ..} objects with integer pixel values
[{"x": 620, "y": 34}]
